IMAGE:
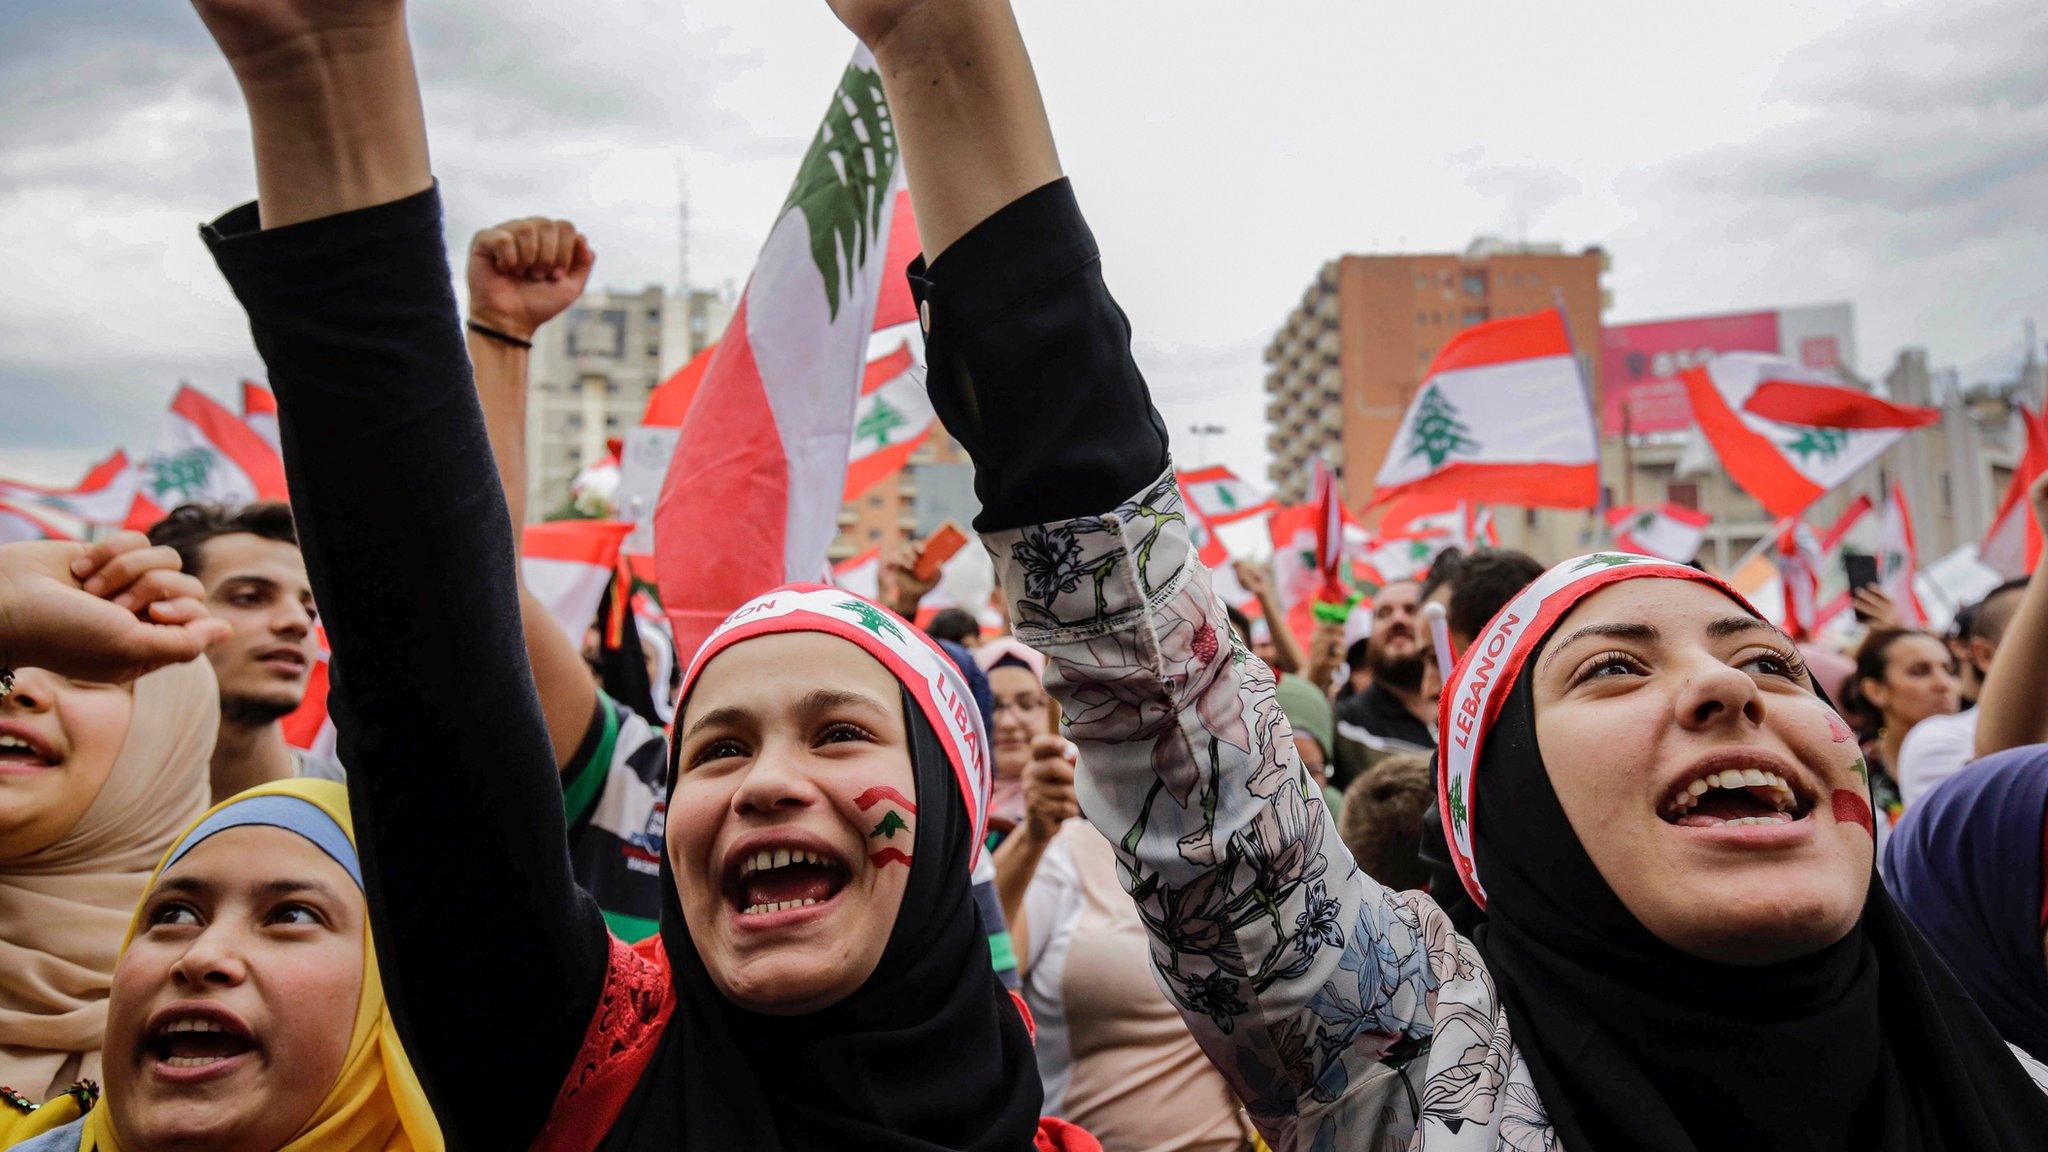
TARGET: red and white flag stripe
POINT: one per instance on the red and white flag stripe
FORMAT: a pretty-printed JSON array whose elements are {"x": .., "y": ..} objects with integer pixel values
[
  {"x": 17, "y": 524},
  {"x": 259, "y": 412},
  {"x": 1667, "y": 531},
  {"x": 2012, "y": 547},
  {"x": 102, "y": 497},
  {"x": 1502, "y": 417},
  {"x": 1788, "y": 434},
  {"x": 567, "y": 564},
  {"x": 1221, "y": 496},
  {"x": 1898, "y": 558}
]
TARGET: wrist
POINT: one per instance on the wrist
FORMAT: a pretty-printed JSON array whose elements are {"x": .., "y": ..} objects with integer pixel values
[{"x": 501, "y": 322}]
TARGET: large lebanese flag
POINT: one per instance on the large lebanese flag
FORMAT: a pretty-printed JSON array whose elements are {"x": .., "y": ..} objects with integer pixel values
[
  {"x": 102, "y": 497},
  {"x": 1221, "y": 496},
  {"x": 1898, "y": 559},
  {"x": 205, "y": 453},
  {"x": 1502, "y": 417},
  {"x": 751, "y": 499},
  {"x": 2013, "y": 546},
  {"x": 1788, "y": 434},
  {"x": 567, "y": 564},
  {"x": 1667, "y": 531}
]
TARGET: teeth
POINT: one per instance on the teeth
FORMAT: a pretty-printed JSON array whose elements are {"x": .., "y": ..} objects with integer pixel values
[
  {"x": 767, "y": 859},
  {"x": 12, "y": 742},
  {"x": 193, "y": 1061},
  {"x": 777, "y": 906},
  {"x": 1736, "y": 778},
  {"x": 192, "y": 1026}
]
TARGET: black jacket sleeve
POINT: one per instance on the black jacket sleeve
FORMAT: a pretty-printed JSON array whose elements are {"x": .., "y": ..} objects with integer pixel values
[
  {"x": 1030, "y": 366},
  {"x": 492, "y": 957}
]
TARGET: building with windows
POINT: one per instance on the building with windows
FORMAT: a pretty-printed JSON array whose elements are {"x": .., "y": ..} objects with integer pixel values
[
  {"x": 592, "y": 370},
  {"x": 1344, "y": 365}
]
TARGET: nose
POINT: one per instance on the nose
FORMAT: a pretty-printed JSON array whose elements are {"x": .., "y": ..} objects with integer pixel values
[
  {"x": 34, "y": 691},
  {"x": 1717, "y": 694},
  {"x": 291, "y": 620},
  {"x": 774, "y": 781},
  {"x": 212, "y": 960}
]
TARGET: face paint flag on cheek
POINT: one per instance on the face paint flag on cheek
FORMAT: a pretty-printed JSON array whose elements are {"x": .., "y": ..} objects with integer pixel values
[
  {"x": 1485, "y": 675},
  {"x": 892, "y": 834}
]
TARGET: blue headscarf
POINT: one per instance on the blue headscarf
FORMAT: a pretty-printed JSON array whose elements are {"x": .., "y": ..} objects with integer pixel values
[{"x": 1966, "y": 863}]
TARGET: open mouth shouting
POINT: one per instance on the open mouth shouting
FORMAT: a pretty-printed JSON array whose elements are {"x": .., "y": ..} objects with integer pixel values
[
  {"x": 190, "y": 1042},
  {"x": 769, "y": 876},
  {"x": 1738, "y": 788},
  {"x": 24, "y": 751}
]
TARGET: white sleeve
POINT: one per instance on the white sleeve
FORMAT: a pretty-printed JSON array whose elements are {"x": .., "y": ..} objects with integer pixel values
[{"x": 1933, "y": 751}]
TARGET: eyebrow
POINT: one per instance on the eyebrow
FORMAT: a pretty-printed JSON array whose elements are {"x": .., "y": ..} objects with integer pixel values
[
  {"x": 268, "y": 889},
  {"x": 1642, "y": 633},
  {"x": 1728, "y": 626},
  {"x": 813, "y": 702}
]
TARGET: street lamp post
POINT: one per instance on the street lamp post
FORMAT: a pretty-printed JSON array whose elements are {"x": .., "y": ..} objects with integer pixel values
[{"x": 1201, "y": 433}]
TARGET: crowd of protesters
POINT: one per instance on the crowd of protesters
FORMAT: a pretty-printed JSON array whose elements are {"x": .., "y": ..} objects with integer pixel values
[{"x": 1141, "y": 873}]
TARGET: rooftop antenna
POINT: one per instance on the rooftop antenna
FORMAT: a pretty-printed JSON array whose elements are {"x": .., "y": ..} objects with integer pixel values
[{"x": 682, "y": 231}]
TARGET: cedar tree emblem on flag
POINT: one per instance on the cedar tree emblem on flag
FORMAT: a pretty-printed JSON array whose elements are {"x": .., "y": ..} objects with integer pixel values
[
  {"x": 843, "y": 185},
  {"x": 1438, "y": 433},
  {"x": 878, "y": 424},
  {"x": 872, "y": 618}
]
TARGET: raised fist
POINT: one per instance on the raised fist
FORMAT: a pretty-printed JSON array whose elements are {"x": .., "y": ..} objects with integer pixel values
[
  {"x": 1049, "y": 798},
  {"x": 107, "y": 612},
  {"x": 524, "y": 273}
]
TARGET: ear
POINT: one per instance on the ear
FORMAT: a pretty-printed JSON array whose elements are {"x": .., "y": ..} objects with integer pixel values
[
  {"x": 1874, "y": 693},
  {"x": 1981, "y": 652}
]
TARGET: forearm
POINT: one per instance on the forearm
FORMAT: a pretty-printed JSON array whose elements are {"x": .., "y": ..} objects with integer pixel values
[
  {"x": 501, "y": 388},
  {"x": 1017, "y": 859},
  {"x": 967, "y": 112},
  {"x": 411, "y": 554},
  {"x": 1286, "y": 647},
  {"x": 2012, "y": 708},
  {"x": 337, "y": 122}
]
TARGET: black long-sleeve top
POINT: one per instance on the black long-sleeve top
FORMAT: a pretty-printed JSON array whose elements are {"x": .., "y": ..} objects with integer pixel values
[{"x": 492, "y": 958}]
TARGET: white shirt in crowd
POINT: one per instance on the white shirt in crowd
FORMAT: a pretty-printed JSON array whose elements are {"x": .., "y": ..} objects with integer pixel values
[{"x": 1936, "y": 749}]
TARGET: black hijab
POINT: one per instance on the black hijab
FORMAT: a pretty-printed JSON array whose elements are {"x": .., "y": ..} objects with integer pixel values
[
  {"x": 929, "y": 1054},
  {"x": 1632, "y": 1044}
]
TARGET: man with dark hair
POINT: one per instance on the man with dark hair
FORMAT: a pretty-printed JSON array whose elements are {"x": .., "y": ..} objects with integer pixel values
[
  {"x": 956, "y": 625},
  {"x": 1485, "y": 582},
  {"x": 248, "y": 559},
  {"x": 1397, "y": 711}
]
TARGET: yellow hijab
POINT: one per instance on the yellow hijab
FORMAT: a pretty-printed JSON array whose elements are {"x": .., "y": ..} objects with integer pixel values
[{"x": 376, "y": 1104}]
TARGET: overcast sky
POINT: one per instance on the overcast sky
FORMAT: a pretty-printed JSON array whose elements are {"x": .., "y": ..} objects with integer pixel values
[{"x": 1743, "y": 154}]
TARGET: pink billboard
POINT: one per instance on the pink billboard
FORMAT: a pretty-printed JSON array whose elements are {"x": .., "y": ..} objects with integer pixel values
[{"x": 1640, "y": 363}]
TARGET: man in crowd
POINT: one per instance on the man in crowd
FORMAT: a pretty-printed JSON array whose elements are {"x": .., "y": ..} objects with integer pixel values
[
  {"x": 1397, "y": 711},
  {"x": 255, "y": 580},
  {"x": 1484, "y": 584}
]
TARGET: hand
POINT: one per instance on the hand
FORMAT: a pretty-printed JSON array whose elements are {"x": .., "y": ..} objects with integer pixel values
[
  {"x": 906, "y": 587},
  {"x": 251, "y": 33},
  {"x": 1049, "y": 798},
  {"x": 1877, "y": 608},
  {"x": 1252, "y": 577},
  {"x": 1327, "y": 644},
  {"x": 524, "y": 273},
  {"x": 2037, "y": 495},
  {"x": 108, "y": 612},
  {"x": 872, "y": 20}
]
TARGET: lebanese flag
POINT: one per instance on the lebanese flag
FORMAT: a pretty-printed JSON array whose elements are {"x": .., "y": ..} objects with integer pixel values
[
  {"x": 1221, "y": 497},
  {"x": 862, "y": 575},
  {"x": 568, "y": 564},
  {"x": 308, "y": 726},
  {"x": 103, "y": 497},
  {"x": 1383, "y": 559},
  {"x": 2013, "y": 545},
  {"x": 894, "y": 417},
  {"x": 1502, "y": 417},
  {"x": 1666, "y": 531},
  {"x": 17, "y": 524},
  {"x": 1330, "y": 521},
  {"x": 751, "y": 499},
  {"x": 1461, "y": 522},
  {"x": 1296, "y": 576},
  {"x": 1209, "y": 548},
  {"x": 1898, "y": 560},
  {"x": 1799, "y": 559},
  {"x": 259, "y": 412},
  {"x": 206, "y": 453},
  {"x": 1789, "y": 434}
]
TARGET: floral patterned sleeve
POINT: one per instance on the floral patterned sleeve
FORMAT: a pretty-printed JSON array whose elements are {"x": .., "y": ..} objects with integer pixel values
[{"x": 1312, "y": 987}]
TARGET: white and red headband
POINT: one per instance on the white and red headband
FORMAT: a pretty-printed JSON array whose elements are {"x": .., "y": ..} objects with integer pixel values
[
  {"x": 915, "y": 660},
  {"x": 1485, "y": 677}
]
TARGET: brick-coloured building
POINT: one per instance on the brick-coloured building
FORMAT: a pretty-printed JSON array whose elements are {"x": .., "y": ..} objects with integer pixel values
[{"x": 1343, "y": 367}]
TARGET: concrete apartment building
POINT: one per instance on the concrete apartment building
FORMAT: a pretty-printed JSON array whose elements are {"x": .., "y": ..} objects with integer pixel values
[
  {"x": 593, "y": 368},
  {"x": 1347, "y": 361}
]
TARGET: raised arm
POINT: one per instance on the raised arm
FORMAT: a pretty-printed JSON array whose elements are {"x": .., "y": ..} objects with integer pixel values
[
  {"x": 1307, "y": 984},
  {"x": 522, "y": 274},
  {"x": 492, "y": 958},
  {"x": 2012, "y": 708}
]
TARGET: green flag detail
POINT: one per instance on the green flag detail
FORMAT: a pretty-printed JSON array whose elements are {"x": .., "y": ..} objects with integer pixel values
[
  {"x": 185, "y": 473},
  {"x": 1826, "y": 443},
  {"x": 1602, "y": 560},
  {"x": 842, "y": 187},
  {"x": 891, "y": 824},
  {"x": 879, "y": 424},
  {"x": 1438, "y": 433},
  {"x": 872, "y": 618}
]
